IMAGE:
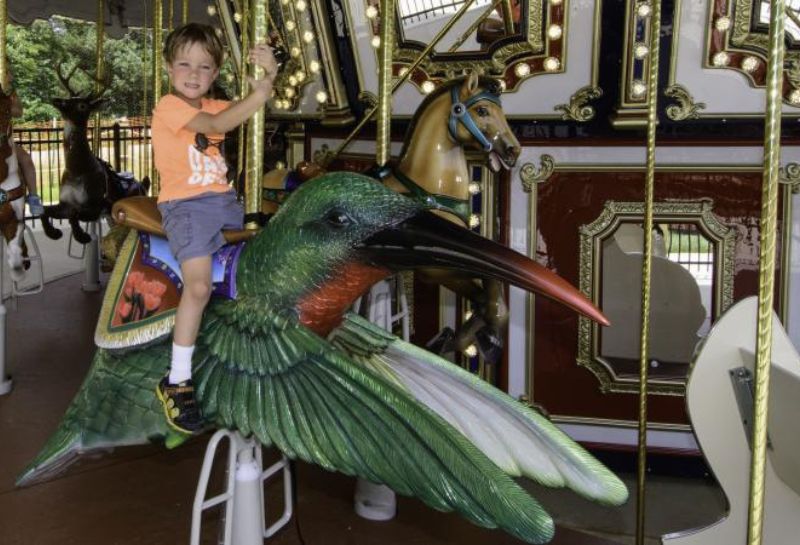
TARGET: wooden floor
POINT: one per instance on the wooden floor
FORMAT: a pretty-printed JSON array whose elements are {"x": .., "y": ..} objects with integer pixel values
[{"x": 143, "y": 495}]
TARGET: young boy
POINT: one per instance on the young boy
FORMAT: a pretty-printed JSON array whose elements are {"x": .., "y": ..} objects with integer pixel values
[{"x": 195, "y": 201}]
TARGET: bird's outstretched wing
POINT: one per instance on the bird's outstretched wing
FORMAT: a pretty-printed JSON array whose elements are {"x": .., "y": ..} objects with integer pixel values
[
  {"x": 267, "y": 375},
  {"x": 516, "y": 438}
]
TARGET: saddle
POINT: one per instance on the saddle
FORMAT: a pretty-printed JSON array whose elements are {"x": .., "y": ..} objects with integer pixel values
[
  {"x": 141, "y": 213},
  {"x": 145, "y": 286}
]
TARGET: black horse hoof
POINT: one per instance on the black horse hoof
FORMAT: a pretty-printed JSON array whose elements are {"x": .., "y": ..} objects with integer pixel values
[
  {"x": 83, "y": 238},
  {"x": 53, "y": 233},
  {"x": 490, "y": 344}
]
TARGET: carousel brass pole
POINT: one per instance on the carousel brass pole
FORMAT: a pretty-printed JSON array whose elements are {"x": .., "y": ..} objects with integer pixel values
[
  {"x": 244, "y": 25},
  {"x": 101, "y": 25},
  {"x": 766, "y": 276},
  {"x": 508, "y": 17},
  {"x": 255, "y": 128},
  {"x": 158, "y": 22},
  {"x": 385, "y": 84},
  {"x": 647, "y": 261},
  {"x": 170, "y": 14},
  {"x": 3, "y": 52},
  {"x": 185, "y": 12},
  {"x": 404, "y": 76}
]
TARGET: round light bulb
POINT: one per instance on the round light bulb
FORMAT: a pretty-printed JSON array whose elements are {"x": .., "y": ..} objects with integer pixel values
[
  {"x": 322, "y": 97},
  {"x": 503, "y": 85},
  {"x": 375, "y": 41},
  {"x": 289, "y": 92},
  {"x": 428, "y": 86},
  {"x": 638, "y": 88},
  {"x": 290, "y": 25},
  {"x": 371, "y": 12},
  {"x": 237, "y": 17},
  {"x": 474, "y": 221},
  {"x": 474, "y": 188},
  {"x": 721, "y": 59},
  {"x": 295, "y": 52},
  {"x": 554, "y": 32},
  {"x": 314, "y": 66},
  {"x": 280, "y": 165},
  {"x": 551, "y": 64},
  {"x": 292, "y": 81},
  {"x": 211, "y": 10},
  {"x": 301, "y": 76},
  {"x": 467, "y": 315},
  {"x": 750, "y": 64},
  {"x": 722, "y": 23},
  {"x": 308, "y": 36},
  {"x": 555, "y": 2},
  {"x": 522, "y": 69},
  {"x": 640, "y": 50},
  {"x": 644, "y": 10},
  {"x": 300, "y": 5},
  {"x": 471, "y": 351},
  {"x": 403, "y": 71}
]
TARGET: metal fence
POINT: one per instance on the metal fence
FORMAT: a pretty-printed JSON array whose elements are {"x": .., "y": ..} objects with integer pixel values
[{"x": 125, "y": 147}]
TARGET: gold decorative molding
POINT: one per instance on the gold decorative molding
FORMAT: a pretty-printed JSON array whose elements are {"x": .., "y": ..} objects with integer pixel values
[
  {"x": 368, "y": 99},
  {"x": 790, "y": 175},
  {"x": 634, "y": 96},
  {"x": 530, "y": 175},
  {"x": 591, "y": 238},
  {"x": 686, "y": 108},
  {"x": 735, "y": 42},
  {"x": 531, "y": 52},
  {"x": 578, "y": 108}
]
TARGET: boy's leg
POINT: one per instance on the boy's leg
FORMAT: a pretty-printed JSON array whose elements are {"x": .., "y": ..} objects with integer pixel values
[{"x": 176, "y": 390}]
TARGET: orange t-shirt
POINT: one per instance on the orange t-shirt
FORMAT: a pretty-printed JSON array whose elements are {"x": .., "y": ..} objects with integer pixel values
[{"x": 184, "y": 171}]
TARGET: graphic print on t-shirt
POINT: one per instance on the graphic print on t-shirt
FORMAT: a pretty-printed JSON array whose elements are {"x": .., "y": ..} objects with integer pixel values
[{"x": 206, "y": 169}]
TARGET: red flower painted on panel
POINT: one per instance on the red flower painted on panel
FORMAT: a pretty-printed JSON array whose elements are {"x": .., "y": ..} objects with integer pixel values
[{"x": 141, "y": 297}]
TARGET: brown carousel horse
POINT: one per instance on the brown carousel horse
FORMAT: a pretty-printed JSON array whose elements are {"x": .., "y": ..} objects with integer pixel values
[
  {"x": 12, "y": 193},
  {"x": 461, "y": 114}
]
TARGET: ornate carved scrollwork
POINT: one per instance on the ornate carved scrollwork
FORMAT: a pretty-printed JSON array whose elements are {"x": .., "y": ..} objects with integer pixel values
[
  {"x": 530, "y": 174},
  {"x": 578, "y": 108},
  {"x": 686, "y": 108}
]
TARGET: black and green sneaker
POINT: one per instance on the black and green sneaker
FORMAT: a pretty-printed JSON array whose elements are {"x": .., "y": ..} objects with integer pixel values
[{"x": 180, "y": 406}]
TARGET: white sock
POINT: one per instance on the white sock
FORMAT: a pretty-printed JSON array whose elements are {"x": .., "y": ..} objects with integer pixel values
[{"x": 181, "y": 367}]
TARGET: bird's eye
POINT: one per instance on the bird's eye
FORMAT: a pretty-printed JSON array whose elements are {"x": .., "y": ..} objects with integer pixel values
[
  {"x": 338, "y": 219},
  {"x": 483, "y": 111}
]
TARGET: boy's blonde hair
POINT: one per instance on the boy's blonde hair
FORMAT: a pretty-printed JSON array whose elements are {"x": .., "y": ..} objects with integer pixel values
[{"x": 191, "y": 33}]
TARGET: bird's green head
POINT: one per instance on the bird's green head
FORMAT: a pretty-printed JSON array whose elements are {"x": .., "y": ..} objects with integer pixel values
[{"x": 307, "y": 255}]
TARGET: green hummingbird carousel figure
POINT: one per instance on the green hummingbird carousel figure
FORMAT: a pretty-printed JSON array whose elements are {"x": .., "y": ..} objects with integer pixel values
[{"x": 282, "y": 360}]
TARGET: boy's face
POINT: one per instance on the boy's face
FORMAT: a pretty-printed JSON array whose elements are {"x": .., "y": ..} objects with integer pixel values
[{"x": 192, "y": 72}]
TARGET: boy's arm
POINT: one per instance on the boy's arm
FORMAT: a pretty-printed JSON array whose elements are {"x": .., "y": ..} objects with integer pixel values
[
  {"x": 238, "y": 112},
  {"x": 26, "y": 168}
]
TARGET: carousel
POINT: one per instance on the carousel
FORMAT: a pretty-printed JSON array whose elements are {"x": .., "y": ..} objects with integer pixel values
[{"x": 509, "y": 271}]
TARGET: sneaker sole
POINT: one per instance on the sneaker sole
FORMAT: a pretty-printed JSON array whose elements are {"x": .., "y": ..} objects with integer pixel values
[{"x": 170, "y": 422}]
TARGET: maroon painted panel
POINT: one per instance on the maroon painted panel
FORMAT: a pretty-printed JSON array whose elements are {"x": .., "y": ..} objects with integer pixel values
[{"x": 569, "y": 200}]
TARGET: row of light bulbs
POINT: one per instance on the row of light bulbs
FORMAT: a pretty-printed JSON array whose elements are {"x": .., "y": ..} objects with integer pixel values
[
  {"x": 298, "y": 77},
  {"x": 749, "y": 63}
]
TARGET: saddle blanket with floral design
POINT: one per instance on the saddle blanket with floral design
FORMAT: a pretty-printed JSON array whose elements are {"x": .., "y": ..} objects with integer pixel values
[{"x": 145, "y": 286}]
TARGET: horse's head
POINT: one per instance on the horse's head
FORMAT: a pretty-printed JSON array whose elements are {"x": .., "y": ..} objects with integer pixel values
[{"x": 477, "y": 120}]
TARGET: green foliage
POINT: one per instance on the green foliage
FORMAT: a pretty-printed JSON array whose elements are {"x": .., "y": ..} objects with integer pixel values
[{"x": 35, "y": 51}]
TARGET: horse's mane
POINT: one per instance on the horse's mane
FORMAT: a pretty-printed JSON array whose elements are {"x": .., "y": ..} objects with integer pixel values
[{"x": 483, "y": 82}]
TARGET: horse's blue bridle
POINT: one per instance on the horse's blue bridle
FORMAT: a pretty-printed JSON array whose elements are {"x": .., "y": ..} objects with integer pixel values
[{"x": 459, "y": 112}]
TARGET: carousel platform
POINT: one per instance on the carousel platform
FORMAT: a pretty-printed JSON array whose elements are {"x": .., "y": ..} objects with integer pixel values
[{"x": 141, "y": 495}]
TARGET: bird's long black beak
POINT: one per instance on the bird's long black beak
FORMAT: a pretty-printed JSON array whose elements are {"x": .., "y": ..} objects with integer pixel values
[{"x": 426, "y": 240}]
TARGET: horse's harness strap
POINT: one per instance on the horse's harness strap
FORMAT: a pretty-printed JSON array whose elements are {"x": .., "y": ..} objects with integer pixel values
[
  {"x": 459, "y": 113},
  {"x": 458, "y": 207},
  {"x": 11, "y": 194}
]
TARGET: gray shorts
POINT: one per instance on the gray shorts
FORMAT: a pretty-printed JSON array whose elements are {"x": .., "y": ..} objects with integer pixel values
[{"x": 194, "y": 226}]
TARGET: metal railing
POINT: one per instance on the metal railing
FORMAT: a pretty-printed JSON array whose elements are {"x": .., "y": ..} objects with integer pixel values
[
  {"x": 125, "y": 147},
  {"x": 414, "y": 11}
]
